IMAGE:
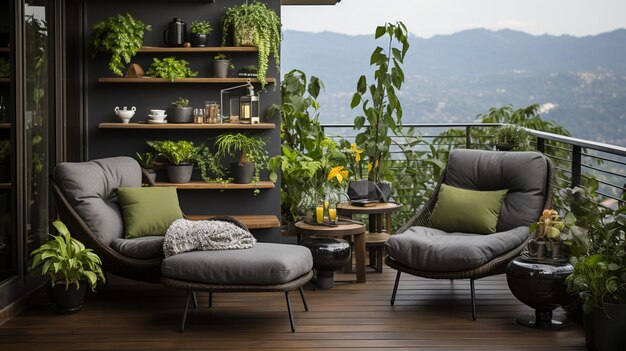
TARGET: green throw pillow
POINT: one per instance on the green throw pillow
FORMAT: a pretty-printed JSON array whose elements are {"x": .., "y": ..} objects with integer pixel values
[
  {"x": 467, "y": 211},
  {"x": 148, "y": 211}
]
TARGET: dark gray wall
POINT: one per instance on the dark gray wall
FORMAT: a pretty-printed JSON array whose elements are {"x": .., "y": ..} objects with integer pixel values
[{"x": 102, "y": 98}]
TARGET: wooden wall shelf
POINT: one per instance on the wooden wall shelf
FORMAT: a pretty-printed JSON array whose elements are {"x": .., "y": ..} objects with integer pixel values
[
  {"x": 157, "y": 49},
  {"x": 5, "y": 125},
  {"x": 251, "y": 221},
  {"x": 220, "y": 126},
  {"x": 182, "y": 80},
  {"x": 200, "y": 185}
]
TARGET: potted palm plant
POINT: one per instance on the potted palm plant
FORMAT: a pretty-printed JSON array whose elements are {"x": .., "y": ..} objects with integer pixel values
[
  {"x": 180, "y": 155},
  {"x": 200, "y": 31},
  {"x": 598, "y": 253},
  {"x": 71, "y": 268},
  {"x": 250, "y": 153},
  {"x": 254, "y": 24}
]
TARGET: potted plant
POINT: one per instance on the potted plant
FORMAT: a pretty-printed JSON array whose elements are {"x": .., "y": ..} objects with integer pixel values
[
  {"x": 254, "y": 24},
  {"x": 547, "y": 236},
  {"x": 122, "y": 36},
  {"x": 250, "y": 153},
  {"x": 598, "y": 254},
  {"x": 5, "y": 161},
  {"x": 200, "y": 31},
  {"x": 221, "y": 65},
  {"x": 180, "y": 155},
  {"x": 146, "y": 161},
  {"x": 70, "y": 267},
  {"x": 250, "y": 71},
  {"x": 181, "y": 112},
  {"x": 170, "y": 68},
  {"x": 511, "y": 138},
  {"x": 211, "y": 170}
]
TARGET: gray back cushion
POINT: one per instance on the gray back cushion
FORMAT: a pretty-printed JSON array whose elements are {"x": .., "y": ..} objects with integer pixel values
[
  {"x": 525, "y": 174},
  {"x": 90, "y": 189}
]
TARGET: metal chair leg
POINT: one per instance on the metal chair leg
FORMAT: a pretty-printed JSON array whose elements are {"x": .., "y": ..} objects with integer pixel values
[
  {"x": 210, "y": 299},
  {"x": 473, "y": 300},
  {"x": 395, "y": 288},
  {"x": 182, "y": 325},
  {"x": 293, "y": 328},
  {"x": 306, "y": 307},
  {"x": 195, "y": 299}
]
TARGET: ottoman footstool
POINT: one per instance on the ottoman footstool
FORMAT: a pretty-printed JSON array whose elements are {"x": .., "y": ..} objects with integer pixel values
[{"x": 263, "y": 268}]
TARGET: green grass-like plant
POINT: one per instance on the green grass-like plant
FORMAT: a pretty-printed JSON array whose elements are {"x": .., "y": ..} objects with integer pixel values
[
  {"x": 201, "y": 27},
  {"x": 122, "y": 36},
  {"x": 170, "y": 68},
  {"x": 176, "y": 152},
  {"x": 246, "y": 149},
  {"x": 66, "y": 259},
  {"x": 264, "y": 27}
]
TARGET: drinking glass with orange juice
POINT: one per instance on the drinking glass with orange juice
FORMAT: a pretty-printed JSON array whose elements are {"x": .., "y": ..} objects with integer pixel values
[
  {"x": 319, "y": 213},
  {"x": 332, "y": 212}
]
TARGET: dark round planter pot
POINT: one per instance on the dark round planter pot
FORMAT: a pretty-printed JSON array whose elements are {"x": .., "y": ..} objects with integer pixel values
[
  {"x": 5, "y": 171},
  {"x": 329, "y": 255},
  {"x": 604, "y": 329},
  {"x": 180, "y": 173},
  {"x": 220, "y": 68},
  {"x": 67, "y": 299},
  {"x": 180, "y": 115},
  {"x": 242, "y": 173},
  {"x": 199, "y": 40}
]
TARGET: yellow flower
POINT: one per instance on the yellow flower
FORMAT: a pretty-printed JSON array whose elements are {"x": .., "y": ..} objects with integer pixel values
[
  {"x": 338, "y": 173},
  {"x": 357, "y": 152},
  {"x": 369, "y": 167}
]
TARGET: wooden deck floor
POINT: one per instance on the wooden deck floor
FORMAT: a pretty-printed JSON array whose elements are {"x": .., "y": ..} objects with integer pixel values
[{"x": 428, "y": 315}]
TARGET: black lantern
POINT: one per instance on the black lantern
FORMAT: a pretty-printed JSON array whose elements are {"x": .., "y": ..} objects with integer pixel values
[{"x": 241, "y": 108}]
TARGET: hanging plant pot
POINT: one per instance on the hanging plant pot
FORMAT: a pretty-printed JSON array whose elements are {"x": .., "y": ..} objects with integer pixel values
[
  {"x": 242, "y": 172},
  {"x": 243, "y": 35},
  {"x": 179, "y": 173},
  {"x": 67, "y": 298}
]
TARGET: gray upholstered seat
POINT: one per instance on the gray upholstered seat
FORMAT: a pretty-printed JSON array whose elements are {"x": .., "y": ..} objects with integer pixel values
[
  {"x": 142, "y": 247},
  {"x": 431, "y": 253},
  {"x": 262, "y": 264},
  {"x": 429, "y": 249}
]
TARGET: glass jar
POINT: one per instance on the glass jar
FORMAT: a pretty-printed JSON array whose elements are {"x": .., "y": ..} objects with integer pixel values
[{"x": 198, "y": 115}]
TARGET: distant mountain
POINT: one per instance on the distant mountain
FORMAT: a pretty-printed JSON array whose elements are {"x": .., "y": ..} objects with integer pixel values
[{"x": 580, "y": 81}]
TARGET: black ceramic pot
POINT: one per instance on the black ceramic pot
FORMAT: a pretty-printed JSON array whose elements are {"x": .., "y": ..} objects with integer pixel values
[
  {"x": 604, "y": 329},
  {"x": 179, "y": 174},
  {"x": 67, "y": 299},
  {"x": 242, "y": 173},
  {"x": 199, "y": 40},
  {"x": 540, "y": 286},
  {"x": 329, "y": 255},
  {"x": 180, "y": 115}
]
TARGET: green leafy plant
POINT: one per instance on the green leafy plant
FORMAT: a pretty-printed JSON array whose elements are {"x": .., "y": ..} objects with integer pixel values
[
  {"x": 66, "y": 259},
  {"x": 181, "y": 102},
  {"x": 220, "y": 57},
  {"x": 176, "y": 152},
  {"x": 170, "y": 68},
  {"x": 5, "y": 149},
  {"x": 145, "y": 159},
  {"x": 209, "y": 164},
  {"x": 379, "y": 103},
  {"x": 122, "y": 36},
  {"x": 245, "y": 148},
  {"x": 511, "y": 138},
  {"x": 261, "y": 26},
  {"x": 5, "y": 68},
  {"x": 201, "y": 27},
  {"x": 250, "y": 68}
]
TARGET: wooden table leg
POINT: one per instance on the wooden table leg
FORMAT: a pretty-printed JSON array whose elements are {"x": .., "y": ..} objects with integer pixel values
[
  {"x": 388, "y": 223},
  {"x": 359, "y": 245}
]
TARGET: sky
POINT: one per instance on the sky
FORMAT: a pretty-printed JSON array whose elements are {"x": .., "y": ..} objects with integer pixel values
[{"x": 426, "y": 18}]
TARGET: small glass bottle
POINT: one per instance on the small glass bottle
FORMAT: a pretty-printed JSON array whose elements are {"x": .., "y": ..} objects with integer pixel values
[{"x": 198, "y": 116}]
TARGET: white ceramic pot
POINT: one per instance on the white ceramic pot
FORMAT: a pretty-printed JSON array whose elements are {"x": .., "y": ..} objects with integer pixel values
[{"x": 125, "y": 114}]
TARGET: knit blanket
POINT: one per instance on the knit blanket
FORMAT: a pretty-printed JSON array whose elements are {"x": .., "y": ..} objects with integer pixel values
[{"x": 185, "y": 235}]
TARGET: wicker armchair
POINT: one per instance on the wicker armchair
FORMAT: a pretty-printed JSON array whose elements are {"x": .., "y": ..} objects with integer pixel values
[{"x": 466, "y": 173}]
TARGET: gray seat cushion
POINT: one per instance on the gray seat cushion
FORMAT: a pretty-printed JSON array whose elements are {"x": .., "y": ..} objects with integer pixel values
[
  {"x": 263, "y": 264},
  {"x": 142, "y": 247},
  {"x": 433, "y": 250},
  {"x": 90, "y": 189},
  {"x": 525, "y": 174}
]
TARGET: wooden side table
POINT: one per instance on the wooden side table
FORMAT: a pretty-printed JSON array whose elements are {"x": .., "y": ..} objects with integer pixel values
[
  {"x": 376, "y": 237},
  {"x": 357, "y": 230}
]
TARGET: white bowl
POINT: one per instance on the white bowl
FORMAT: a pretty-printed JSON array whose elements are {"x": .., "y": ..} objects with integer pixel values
[
  {"x": 157, "y": 118},
  {"x": 125, "y": 114},
  {"x": 157, "y": 112}
]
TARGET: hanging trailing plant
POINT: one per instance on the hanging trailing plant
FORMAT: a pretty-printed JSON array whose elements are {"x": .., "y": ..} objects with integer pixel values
[
  {"x": 122, "y": 36},
  {"x": 255, "y": 25}
]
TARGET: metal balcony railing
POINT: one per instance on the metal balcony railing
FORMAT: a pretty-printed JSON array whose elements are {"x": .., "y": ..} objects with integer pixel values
[{"x": 577, "y": 162}]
